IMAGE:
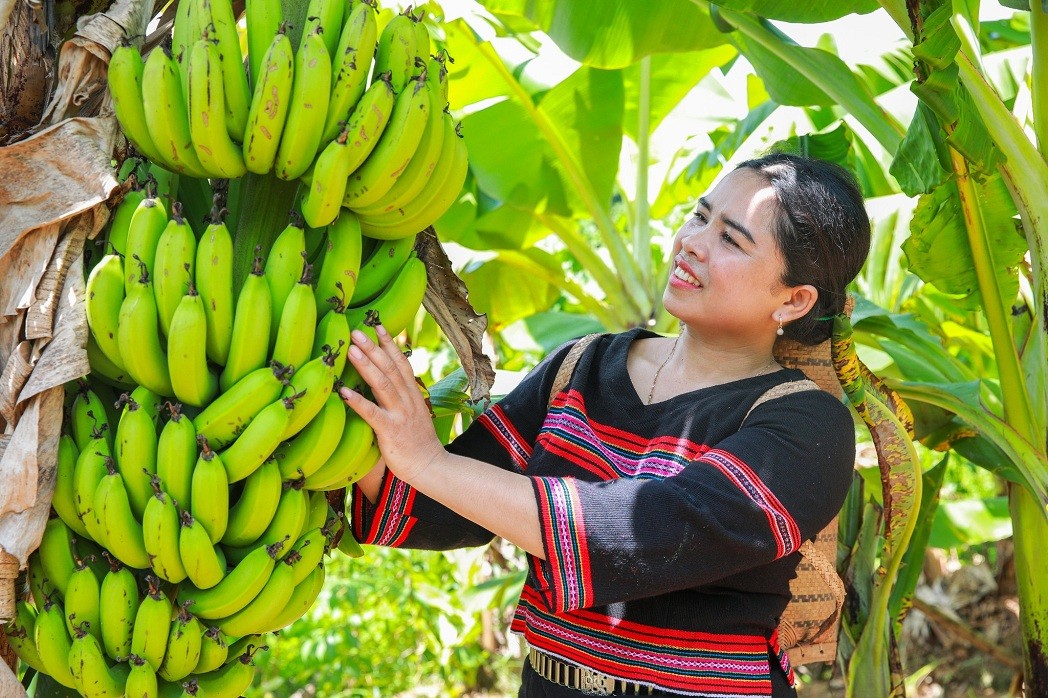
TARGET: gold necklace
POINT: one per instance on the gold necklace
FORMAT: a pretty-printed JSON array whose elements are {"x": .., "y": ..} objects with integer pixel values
[{"x": 655, "y": 380}]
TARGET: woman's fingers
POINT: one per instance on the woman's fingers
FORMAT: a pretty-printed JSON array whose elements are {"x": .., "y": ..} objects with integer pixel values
[{"x": 399, "y": 359}]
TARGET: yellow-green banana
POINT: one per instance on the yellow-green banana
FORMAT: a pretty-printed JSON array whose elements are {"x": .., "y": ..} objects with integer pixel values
[
  {"x": 160, "y": 533},
  {"x": 91, "y": 674},
  {"x": 138, "y": 334},
  {"x": 312, "y": 447},
  {"x": 40, "y": 585},
  {"x": 395, "y": 148},
  {"x": 260, "y": 612},
  {"x": 163, "y": 100},
  {"x": 310, "y": 93},
  {"x": 319, "y": 513},
  {"x": 183, "y": 647},
  {"x": 327, "y": 184},
  {"x": 328, "y": 15},
  {"x": 91, "y": 467},
  {"x": 176, "y": 456},
  {"x": 368, "y": 121},
  {"x": 308, "y": 551},
  {"x": 123, "y": 532},
  {"x": 264, "y": 19},
  {"x": 306, "y": 592},
  {"x": 105, "y": 294},
  {"x": 237, "y": 96},
  {"x": 198, "y": 553},
  {"x": 333, "y": 332},
  {"x": 231, "y": 412},
  {"x": 88, "y": 416},
  {"x": 56, "y": 554},
  {"x": 311, "y": 386},
  {"x": 149, "y": 401},
  {"x": 143, "y": 233},
  {"x": 228, "y": 682},
  {"x": 82, "y": 600},
  {"x": 348, "y": 457},
  {"x": 396, "y": 51},
  {"x": 210, "y": 498},
  {"x": 125, "y": 86},
  {"x": 289, "y": 518},
  {"x": 269, "y": 103},
  {"x": 252, "y": 512},
  {"x": 421, "y": 40},
  {"x": 249, "y": 344},
  {"x": 191, "y": 380},
  {"x": 284, "y": 268},
  {"x": 214, "y": 282},
  {"x": 136, "y": 452},
  {"x": 173, "y": 266},
  {"x": 152, "y": 624},
  {"x": 121, "y": 220},
  {"x": 258, "y": 441},
  {"x": 118, "y": 598},
  {"x": 218, "y": 154},
  {"x": 238, "y": 587},
  {"x": 351, "y": 62},
  {"x": 341, "y": 263},
  {"x": 19, "y": 633},
  {"x": 298, "y": 323},
  {"x": 53, "y": 642},
  {"x": 141, "y": 681},
  {"x": 380, "y": 268},
  {"x": 213, "y": 651},
  {"x": 64, "y": 498},
  {"x": 398, "y": 303},
  {"x": 104, "y": 370}
]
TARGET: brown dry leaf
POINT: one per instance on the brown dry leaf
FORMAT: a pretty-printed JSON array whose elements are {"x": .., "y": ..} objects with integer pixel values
[{"x": 446, "y": 300}]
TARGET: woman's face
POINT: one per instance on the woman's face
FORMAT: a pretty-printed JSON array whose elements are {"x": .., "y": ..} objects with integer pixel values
[{"x": 726, "y": 270}]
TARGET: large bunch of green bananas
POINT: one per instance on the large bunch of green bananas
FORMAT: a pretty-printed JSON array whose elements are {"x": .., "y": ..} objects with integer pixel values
[
  {"x": 359, "y": 112},
  {"x": 198, "y": 455}
]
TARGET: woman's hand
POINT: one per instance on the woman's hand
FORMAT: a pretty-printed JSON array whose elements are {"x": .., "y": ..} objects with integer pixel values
[{"x": 399, "y": 416}]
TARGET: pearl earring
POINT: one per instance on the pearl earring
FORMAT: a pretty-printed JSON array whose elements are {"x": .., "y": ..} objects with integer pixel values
[{"x": 779, "y": 331}]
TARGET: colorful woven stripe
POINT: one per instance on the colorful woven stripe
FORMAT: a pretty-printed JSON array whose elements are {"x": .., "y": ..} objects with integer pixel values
[
  {"x": 495, "y": 421},
  {"x": 392, "y": 526},
  {"x": 783, "y": 528},
  {"x": 563, "y": 530},
  {"x": 780, "y": 653},
  {"x": 692, "y": 663}
]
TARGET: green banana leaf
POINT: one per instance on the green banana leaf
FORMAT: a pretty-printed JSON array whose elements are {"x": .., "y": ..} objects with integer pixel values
[
  {"x": 918, "y": 166},
  {"x": 616, "y": 33},
  {"x": 505, "y": 293},
  {"x": 810, "y": 12},
  {"x": 967, "y": 522},
  {"x": 913, "y": 559},
  {"x": 508, "y": 169}
]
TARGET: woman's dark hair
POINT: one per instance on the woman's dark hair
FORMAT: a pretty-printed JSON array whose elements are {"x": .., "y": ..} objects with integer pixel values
[{"x": 822, "y": 231}]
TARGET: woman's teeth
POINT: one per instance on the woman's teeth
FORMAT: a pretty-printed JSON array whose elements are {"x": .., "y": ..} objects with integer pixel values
[{"x": 685, "y": 276}]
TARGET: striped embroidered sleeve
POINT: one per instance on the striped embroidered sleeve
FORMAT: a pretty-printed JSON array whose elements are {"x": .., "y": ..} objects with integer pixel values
[{"x": 748, "y": 501}]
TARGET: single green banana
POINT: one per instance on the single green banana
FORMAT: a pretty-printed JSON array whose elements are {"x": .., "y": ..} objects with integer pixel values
[
  {"x": 121, "y": 220},
  {"x": 313, "y": 446},
  {"x": 142, "y": 680},
  {"x": 308, "y": 551},
  {"x": 89, "y": 416},
  {"x": 143, "y": 233},
  {"x": 249, "y": 644},
  {"x": 173, "y": 266},
  {"x": 164, "y": 104},
  {"x": 53, "y": 642},
  {"x": 249, "y": 344},
  {"x": 327, "y": 185},
  {"x": 118, "y": 597},
  {"x": 41, "y": 587},
  {"x": 56, "y": 554},
  {"x": 213, "y": 143},
  {"x": 367, "y": 121},
  {"x": 298, "y": 323},
  {"x": 176, "y": 456},
  {"x": 310, "y": 93},
  {"x": 91, "y": 674},
  {"x": 270, "y": 101},
  {"x": 258, "y": 441},
  {"x": 236, "y": 95},
  {"x": 161, "y": 533},
  {"x": 214, "y": 281},
  {"x": 395, "y": 148},
  {"x": 125, "y": 86},
  {"x": 311, "y": 386},
  {"x": 123, "y": 532},
  {"x": 348, "y": 457},
  {"x": 138, "y": 335},
  {"x": 64, "y": 498},
  {"x": 432, "y": 202},
  {"x": 349, "y": 476},
  {"x": 261, "y": 611},
  {"x": 198, "y": 554},
  {"x": 397, "y": 305},
  {"x": 82, "y": 600},
  {"x": 306, "y": 592},
  {"x": 284, "y": 268},
  {"x": 19, "y": 632},
  {"x": 250, "y": 515},
  {"x": 231, "y": 412},
  {"x": 348, "y": 545},
  {"x": 341, "y": 263},
  {"x": 228, "y": 682},
  {"x": 105, "y": 294},
  {"x": 192, "y": 381},
  {"x": 151, "y": 402},
  {"x": 291, "y": 515},
  {"x": 328, "y": 15},
  {"x": 333, "y": 332},
  {"x": 136, "y": 453},
  {"x": 351, "y": 64},
  {"x": 104, "y": 370},
  {"x": 91, "y": 467},
  {"x": 264, "y": 19},
  {"x": 213, "y": 651},
  {"x": 238, "y": 587},
  {"x": 210, "y": 498},
  {"x": 380, "y": 268},
  {"x": 319, "y": 511},
  {"x": 152, "y": 624},
  {"x": 422, "y": 40},
  {"x": 183, "y": 647},
  {"x": 396, "y": 51},
  {"x": 107, "y": 395}
]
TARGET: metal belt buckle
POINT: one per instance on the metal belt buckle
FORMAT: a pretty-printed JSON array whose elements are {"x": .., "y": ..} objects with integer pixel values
[{"x": 593, "y": 683}]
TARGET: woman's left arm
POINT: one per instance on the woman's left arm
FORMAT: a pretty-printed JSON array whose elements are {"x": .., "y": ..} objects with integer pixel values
[{"x": 499, "y": 500}]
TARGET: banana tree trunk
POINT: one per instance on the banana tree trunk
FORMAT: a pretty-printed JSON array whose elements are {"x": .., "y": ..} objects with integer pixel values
[{"x": 1031, "y": 571}]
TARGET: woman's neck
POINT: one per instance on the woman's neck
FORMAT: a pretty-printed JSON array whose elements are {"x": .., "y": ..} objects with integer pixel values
[{"x": 701, "y": 362}]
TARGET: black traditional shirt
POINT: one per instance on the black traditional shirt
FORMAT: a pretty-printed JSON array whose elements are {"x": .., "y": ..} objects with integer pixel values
[{"x": 670, "y": 530}]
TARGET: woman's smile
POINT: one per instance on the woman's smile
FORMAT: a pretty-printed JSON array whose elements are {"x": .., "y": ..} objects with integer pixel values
[{"x": 683, "y": 276}]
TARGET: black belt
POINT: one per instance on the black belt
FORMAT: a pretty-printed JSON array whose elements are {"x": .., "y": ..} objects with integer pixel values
[{"x": 583, "y": 679}]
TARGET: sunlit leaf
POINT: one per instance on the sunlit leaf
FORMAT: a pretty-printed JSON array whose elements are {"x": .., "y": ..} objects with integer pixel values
[
  {"x": 917, "y": 165},
  {"x": 970, "y": 522},
  {"x": 811, "y": 12},
  {"x": 505, "y": 293},
  {"x": 506, "y": 167}
]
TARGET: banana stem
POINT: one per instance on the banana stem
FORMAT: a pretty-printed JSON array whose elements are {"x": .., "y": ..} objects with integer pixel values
[
  {"x": 642, "y": 220},
  {"x": 264, "y": 202},
  {"x": 1039, "y": 74}
]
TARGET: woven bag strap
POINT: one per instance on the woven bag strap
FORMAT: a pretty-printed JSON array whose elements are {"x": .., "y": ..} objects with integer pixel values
[
  {"x": 567, "y": 366},
  {"x": 828, "y": 571},
  {"x": 781, "y": 390}
]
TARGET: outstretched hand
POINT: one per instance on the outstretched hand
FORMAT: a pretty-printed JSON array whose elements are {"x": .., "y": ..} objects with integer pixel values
[{"x": 399, "y": 414}]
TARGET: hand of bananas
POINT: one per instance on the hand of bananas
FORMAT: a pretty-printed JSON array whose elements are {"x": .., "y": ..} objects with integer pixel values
[
  {"x": 387, "y": 149},
  {"x": 198, "y": 455}
]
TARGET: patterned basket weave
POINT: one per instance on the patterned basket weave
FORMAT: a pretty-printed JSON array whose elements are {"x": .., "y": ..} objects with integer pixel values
[
  {"x": 808, "y": 628},
  {"x": 8, "y": 574}
]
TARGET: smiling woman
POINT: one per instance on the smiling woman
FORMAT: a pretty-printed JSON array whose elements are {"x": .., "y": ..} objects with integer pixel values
[{"x": 664, "y": 491}]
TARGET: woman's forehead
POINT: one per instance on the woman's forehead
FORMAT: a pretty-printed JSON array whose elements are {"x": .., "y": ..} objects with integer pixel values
[{"x": 743, "y": 193}]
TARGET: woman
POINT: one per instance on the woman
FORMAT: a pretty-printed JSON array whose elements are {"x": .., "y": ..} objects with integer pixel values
[{"x": 661, "y": 520}]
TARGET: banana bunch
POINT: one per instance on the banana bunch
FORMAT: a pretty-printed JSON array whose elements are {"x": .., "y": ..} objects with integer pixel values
[{"x": 387, "y": 149}]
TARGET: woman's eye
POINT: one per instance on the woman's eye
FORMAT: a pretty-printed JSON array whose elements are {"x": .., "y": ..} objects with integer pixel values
[
  {"x": 729, "y": 239},
  {"x": 700, "y": 216}
]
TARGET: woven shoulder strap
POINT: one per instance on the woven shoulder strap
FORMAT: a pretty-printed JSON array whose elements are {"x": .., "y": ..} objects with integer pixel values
[
  {"x": 567, "y": 366},
  {"x": 781, "y": 390}
]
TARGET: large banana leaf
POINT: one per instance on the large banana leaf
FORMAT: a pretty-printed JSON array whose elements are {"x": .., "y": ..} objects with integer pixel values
[
  {"x": 616, "y": 33},
  {"x": 810, "y": 12}
]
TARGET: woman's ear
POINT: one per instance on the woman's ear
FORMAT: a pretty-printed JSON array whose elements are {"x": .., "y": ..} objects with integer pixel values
[{"x": 801, "y": 300}]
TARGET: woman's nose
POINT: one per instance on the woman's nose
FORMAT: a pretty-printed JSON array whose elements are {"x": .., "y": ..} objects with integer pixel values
[{"x": 695, "y": 241}]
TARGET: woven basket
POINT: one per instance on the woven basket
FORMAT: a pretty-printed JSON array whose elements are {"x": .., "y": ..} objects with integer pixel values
[{"x": 808, "y": 628}]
